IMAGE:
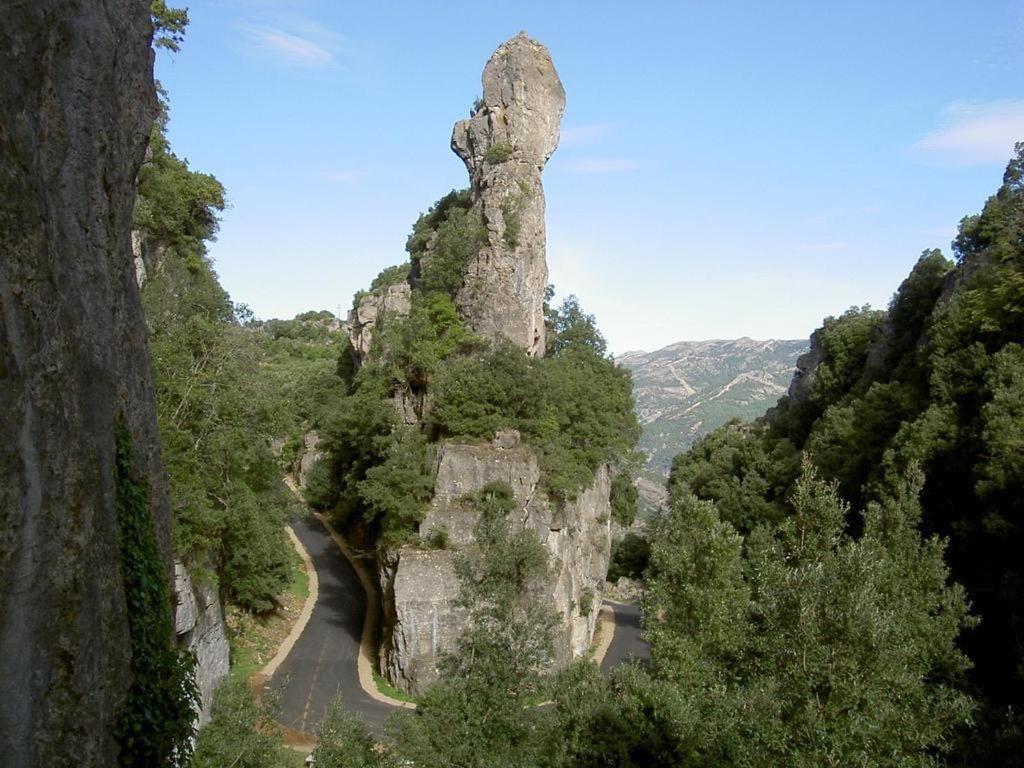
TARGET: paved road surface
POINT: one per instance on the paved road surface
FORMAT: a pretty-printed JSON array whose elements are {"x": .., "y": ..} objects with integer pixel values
[
  {"x": 322, "y": 664},
  {"x": 626, "y": 642}
]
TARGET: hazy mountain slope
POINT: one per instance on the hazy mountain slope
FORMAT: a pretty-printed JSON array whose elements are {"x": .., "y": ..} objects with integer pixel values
[{"x": 687, "y": 389}]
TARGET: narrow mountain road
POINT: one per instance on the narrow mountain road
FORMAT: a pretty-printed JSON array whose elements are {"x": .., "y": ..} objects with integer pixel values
[
  {"x": 323, "y": 662},
  {"x": 627, "y": 642}
]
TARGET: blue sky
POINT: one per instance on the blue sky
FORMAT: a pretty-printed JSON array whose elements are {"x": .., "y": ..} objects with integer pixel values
[{"x": 726, "y": 168}]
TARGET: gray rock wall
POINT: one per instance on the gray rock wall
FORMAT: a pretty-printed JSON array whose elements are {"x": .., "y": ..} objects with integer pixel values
[
  {"x": 505, "y": 146},
  {"x": 419, "y": 586},
  {"x": 76, "y": 106},
  {"x": 395, "y": 299},
  {"x": 200, "y": 628}
]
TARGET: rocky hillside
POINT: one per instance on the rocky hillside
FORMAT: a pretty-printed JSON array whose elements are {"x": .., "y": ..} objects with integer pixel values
[{"x": 688, "y": 389}]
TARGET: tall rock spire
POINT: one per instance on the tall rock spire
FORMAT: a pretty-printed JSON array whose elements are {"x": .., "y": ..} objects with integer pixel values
[{"x": 505, "y": 145}]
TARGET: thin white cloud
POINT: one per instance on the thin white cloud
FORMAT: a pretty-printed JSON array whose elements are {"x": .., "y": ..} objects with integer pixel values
[
  {"x": 342, "y": 176},
  {"x": 289, "y": 48},
  {"x": 602, "y": 165},
  {"x": 976, "y": 133},
  {"x": 573, "y": 135}
]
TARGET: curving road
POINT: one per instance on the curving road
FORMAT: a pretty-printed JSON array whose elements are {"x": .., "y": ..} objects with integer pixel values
[{"x": 323, "y": 662}]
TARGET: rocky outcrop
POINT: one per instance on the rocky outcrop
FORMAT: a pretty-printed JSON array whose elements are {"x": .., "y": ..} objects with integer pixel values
[
  {"x": 371, "y": 308},
  {"x": 146, "y": 256},
  {"x": 420, "y": 618},
  {"x": 806, "y": 365},
  {"x": 76, "y": 106},
  {"x": 505, "y": 146},
  {"x": 308, "y": 456},
  {"x": 419, "y": 586},
  {"x": 200, "y": 629}
]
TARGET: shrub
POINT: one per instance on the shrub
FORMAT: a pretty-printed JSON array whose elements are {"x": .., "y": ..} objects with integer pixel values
[
  {"x": 586, "y": 601},
  {"x": 623, "y": 499},
  {"x": 398, "y": 489},
  {"x": 242, "y": 733},
  {"x": 155, "y": 723},
  {"x": 438, "y": 538},
  {"x": 498, "y": 153}
]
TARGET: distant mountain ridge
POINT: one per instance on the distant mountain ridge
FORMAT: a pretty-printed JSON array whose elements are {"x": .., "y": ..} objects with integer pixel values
[{"x": 687, "y": 389}]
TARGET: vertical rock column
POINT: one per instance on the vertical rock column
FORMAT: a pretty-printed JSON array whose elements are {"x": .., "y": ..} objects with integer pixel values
[
  {"x": 76, "y": 106},
  {"x": 505, "y": 146}
]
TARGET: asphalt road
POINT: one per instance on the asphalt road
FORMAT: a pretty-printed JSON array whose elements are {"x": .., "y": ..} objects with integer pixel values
[
  {"x": 627, "y": 642},
  {"x": 322, "y": 664}
]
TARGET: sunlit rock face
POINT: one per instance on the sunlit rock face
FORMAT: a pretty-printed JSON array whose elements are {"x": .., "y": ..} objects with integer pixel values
[
  {"x": 505, "y": 146},
  {"x": 422, "y": 620},
  {"x": 76, "y": 106},
  {"x": 200, "y": 629},
  {"x": 363, "y": 318}
]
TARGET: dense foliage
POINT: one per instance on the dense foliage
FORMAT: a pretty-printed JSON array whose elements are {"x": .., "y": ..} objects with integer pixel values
[
  {"x": 937, "y": 382},
  {"x": 574, "y": 407},
  {"x": 226, "y": 387},
  {"x": 479, "y": 714},
  {"x": 242, "y": 733},
  {"x": 155, "y": 723},
  {"x": 804, "y": 645},
  {"x": 216, "y": 409}
]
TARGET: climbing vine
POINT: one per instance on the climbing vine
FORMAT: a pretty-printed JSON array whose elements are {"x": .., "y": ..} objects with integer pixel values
[{"x": 156, "y": 722}]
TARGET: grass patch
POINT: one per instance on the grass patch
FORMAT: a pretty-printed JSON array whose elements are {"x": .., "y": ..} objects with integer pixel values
[{"x": 389, "y": 690}]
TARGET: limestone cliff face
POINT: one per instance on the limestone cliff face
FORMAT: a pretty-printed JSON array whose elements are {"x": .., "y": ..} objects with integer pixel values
[
  {"x": 76, "y": 105},
  {"x": 200, "y": 628},
  {"x": 421, "y": 619},
  {"x": 505, "y": 146},
  {"x": 395, "y": 299},
  {"x": 806, "y": 365}
]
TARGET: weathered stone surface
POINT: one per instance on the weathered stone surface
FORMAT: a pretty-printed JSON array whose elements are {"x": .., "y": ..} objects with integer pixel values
[
  {"x": 419, "y": 587},
  {"x": 505, "y": 146},
  {"x": 363, "y": 318},
  {"x": 76, "y": 106},
  {"x": 200, "y": 628},
  {"x": 421, "y": 620},
  {"x": 147, "y": 257},
  {"x": 806, "y": 364},
  {"x": 309, "y": 456},
  {"x": 465, "y": 469}
]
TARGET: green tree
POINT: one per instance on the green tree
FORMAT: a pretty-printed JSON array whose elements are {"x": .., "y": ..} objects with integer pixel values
[
  {"x": 343, "y": 742},
  {"x": 806, "y": 646},
  {"x": 168, "y": 25},
  {"x": 241, "y": 733},
  {"x": 478, "y": 714},
  {"x": 399, "y": 488}
]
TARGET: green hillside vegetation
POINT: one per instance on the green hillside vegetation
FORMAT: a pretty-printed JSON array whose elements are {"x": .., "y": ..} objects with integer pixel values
[
  {"x": 799, "y": 604},
  {"x": 226, "y": 386},
  {"x": 935, "y": 384},
  {"x": 688, "y": 389}
]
